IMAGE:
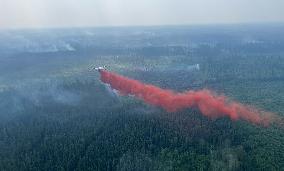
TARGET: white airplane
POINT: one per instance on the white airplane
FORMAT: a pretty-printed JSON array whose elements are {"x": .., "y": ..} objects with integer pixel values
[{"x": 99, "y": 68}]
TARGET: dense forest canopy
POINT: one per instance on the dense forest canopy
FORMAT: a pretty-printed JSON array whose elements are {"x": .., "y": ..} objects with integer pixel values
[{"x": 55, "y": 114}]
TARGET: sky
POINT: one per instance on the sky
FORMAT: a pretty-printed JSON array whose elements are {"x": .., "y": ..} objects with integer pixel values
[{"x": 80, "y": 13}]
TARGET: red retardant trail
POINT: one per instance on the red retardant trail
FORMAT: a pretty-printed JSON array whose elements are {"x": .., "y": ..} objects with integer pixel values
[{"x": 208, "y": 103}]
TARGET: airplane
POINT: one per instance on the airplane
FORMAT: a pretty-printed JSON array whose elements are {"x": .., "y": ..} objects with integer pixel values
[{"x": 99, "y": 68}]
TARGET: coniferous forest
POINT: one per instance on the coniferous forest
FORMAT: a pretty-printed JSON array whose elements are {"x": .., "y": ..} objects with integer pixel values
[{"x": 55, "y": 114}]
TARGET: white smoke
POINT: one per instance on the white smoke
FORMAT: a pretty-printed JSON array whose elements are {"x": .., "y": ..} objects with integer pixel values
[
  {"x": 52, "y": 92},
  {"x": 112, "y": 92},
  {"x": 193, "y": 67}
]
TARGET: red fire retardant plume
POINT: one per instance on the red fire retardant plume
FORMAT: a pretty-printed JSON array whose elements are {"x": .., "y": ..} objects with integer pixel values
[{"x": 208, "y": 103}]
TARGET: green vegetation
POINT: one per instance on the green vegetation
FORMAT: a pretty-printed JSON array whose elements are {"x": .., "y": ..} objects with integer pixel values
[{"x": 58, "y": 116}]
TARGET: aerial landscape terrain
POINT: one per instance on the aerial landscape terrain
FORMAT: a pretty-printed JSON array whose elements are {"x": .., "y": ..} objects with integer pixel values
[{"x": 57, "y": 113}]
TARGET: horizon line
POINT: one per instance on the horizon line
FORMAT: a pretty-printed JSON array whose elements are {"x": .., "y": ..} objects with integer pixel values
[{"x": 145, "y": 26}]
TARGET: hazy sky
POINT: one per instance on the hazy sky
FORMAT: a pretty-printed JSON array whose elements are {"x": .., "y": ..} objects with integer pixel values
[{"x": 65, "y": 13}]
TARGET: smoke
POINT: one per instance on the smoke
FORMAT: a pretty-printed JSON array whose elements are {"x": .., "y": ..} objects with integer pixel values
[
  {"x": 210, "y": 104},
  {"x": 49, "y": 92},
  {"x": 112, "y": 92}
]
